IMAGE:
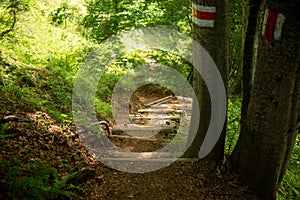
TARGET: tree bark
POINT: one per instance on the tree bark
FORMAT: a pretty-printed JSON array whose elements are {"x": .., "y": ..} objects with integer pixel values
[
  {"x": 215, "y": 41},
  {"x": 250, "y": 12},
  {"x": 270, "y": 124}
]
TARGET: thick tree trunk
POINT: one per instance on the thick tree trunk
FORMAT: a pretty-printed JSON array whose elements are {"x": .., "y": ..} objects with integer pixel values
[
  {"x": 215, "y": 41},
  {"x": 270, "y": 125}
]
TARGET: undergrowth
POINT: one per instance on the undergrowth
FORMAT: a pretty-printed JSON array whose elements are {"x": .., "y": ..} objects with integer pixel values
[
  {"x": 233, "y": 123},
  {"x": 38, "y": 63},
  {"x": 40, "y": 59},
  {"x": 35, "y": 181},
  {"x": 290, "y": 187}
]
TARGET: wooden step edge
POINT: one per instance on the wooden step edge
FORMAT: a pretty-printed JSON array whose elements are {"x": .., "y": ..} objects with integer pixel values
[
  {"x": 159, "y": 110},
  {"x": 173, "y": 106},
  {"x": 159, "y": 100},
  {"x": 155, "y": 117},
  {"x": 184, "y": 99},
  {"x": 189, "y": 160},
  {"x": 137, "y": 138},
  {"x": 141, "y": 155},
  {"x": 143, "y": 128}
]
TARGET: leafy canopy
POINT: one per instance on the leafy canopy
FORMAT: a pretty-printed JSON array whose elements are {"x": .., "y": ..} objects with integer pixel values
[{"x": 107, "y": 17}]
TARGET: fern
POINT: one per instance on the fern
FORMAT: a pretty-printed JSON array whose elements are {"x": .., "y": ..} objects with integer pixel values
[{"x": 42, "y": 182}]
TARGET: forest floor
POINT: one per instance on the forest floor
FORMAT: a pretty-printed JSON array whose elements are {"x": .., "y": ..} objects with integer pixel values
[{"x": 58, "y": 145}]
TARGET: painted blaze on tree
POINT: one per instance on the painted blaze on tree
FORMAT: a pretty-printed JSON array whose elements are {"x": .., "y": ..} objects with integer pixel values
[
  {"x": 210, "y": 30},
  {"x": 270, "y": 117},
  {"x": 270, "y": 125}
]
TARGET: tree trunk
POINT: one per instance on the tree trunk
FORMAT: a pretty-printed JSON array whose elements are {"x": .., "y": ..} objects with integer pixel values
[
  {"x": 250, "y": 12},
  {"x": 270, "y": 124},
  {"x": 215, "y": 41}
]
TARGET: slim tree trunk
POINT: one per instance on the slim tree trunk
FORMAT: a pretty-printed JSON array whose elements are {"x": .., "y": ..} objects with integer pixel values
[
  {"x": 215, "y": 41},
  {"x": 250, "y": 12},
  {"x": 270, "y": 124}
]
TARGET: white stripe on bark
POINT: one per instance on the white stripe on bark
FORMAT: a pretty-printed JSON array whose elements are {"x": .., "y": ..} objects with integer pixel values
[
  {"x": 278, "y": 26},
  {"x": 265, "y": 21},
  {"x": 203, "y": 23},
  {"x": 204, "y": 8}
]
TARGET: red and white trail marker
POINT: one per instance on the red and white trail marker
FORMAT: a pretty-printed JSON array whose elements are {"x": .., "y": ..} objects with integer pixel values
[
  {"x": 272, "y": 26},
  {"x": 204, "y": 15}
]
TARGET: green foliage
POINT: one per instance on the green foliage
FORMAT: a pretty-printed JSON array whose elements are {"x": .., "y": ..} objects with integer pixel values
[
  {"x": 63, "y": 13},
  {"x": 8, "y": 14},
  {"x": 38, "y": 181},
  {"x": 107, "y": 17},
  {"x": 40, "y": 59},
  {"x": 290, "y": 188},
  {"x": 153, "y": 89},
  {"x": 233, "y": 123},
  {"x": 41, "y": 71},
  {"x": 30, "y": 100},
  {"x": 3, "y": 133},
  {"x": 108, "y": 80},
  {"x": 39, "y": 63},
  {"x": 122, "y": 65},
  {"x": 103, "y": 109},
  {"x": 235, "y": 45},
  {"x": 171, "y": 60}
]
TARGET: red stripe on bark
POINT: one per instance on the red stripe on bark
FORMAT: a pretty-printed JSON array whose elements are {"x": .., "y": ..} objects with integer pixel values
[
  {"x": 204, "y": 15},
  {"x": 270, "y": 25}
]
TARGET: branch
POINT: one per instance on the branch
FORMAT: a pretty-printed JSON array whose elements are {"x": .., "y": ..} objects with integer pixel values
[
  {"x": 12, "y": 26},
  {"x": 12, "y": 118}
]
